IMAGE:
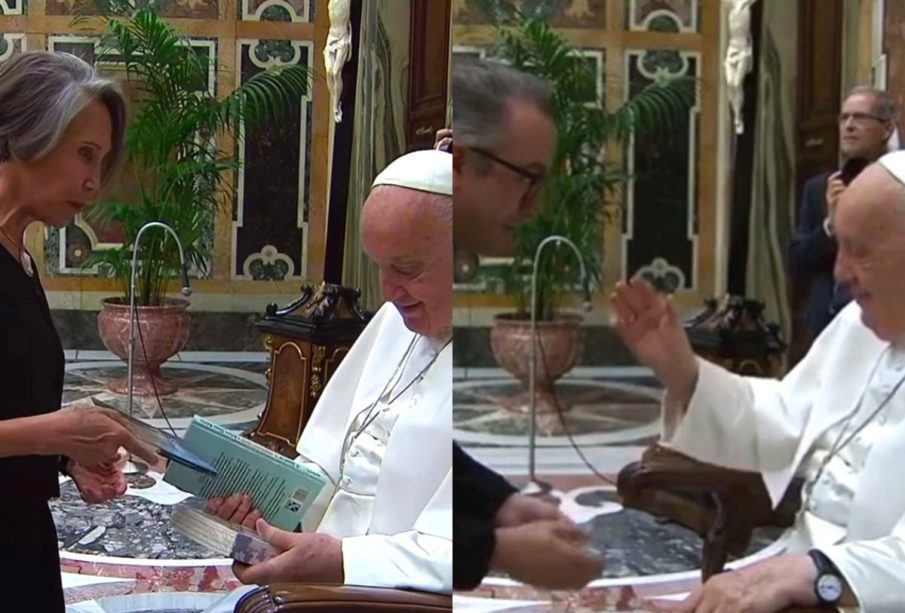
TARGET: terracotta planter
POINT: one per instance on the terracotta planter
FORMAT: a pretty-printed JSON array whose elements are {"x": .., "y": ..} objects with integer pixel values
[
  {"x": 559, "y": 347},
  {"x": 164, "y": 329}
]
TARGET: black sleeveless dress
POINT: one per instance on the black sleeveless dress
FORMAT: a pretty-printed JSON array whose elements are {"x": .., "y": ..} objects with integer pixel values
[{"x": 31, "y": 383}]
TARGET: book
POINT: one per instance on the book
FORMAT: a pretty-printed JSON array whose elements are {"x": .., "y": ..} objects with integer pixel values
[
  {"x": 280, "y": 489},
  {"x": 168, "y": 445},
  {"x": 219, "y": 536}
]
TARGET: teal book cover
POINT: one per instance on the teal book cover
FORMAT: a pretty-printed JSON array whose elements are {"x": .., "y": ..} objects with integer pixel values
[{"x": 281, "y": 489}]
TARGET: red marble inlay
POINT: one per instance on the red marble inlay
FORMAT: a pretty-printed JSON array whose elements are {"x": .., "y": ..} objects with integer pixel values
[{"x": 207, "y": 578}]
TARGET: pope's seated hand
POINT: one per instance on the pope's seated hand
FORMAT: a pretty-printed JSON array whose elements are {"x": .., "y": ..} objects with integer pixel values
[
  {"x": 308, "y": 557},
  {"x": 769, "y": 586},
  {"x": 237, "y": 509}
]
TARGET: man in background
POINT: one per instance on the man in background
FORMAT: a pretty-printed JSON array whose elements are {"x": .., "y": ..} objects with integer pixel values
[{"x": 866, "y": 124}]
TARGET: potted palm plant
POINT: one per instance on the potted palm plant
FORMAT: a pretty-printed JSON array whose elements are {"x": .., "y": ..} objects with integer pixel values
[
  {"x": 573, "y": 203},
  {"x": 174, "y": 173}
]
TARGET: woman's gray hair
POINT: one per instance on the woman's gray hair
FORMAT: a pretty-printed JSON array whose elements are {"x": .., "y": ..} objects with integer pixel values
[{"x": 41, "y": 93}]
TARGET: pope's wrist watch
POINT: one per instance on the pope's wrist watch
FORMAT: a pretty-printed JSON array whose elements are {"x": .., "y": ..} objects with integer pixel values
[{"x": 828, "y": 586}]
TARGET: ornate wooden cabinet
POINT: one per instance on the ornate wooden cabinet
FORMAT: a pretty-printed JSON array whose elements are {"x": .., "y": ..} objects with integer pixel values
[
  {"x": 307, "y": 342},
  {"x": 733, "y": 333}
]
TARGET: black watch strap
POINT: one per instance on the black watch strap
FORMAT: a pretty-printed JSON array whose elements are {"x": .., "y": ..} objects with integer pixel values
[
  {"x": 825, "y": 567},
  {"x": 822, "y": 562}
]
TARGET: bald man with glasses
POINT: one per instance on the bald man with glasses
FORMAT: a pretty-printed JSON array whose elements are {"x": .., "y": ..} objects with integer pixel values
[{"x": 866, "y": 124}]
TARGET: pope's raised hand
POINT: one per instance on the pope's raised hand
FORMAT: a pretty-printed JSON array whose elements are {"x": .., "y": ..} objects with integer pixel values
[{"x": 651, "y": 328}]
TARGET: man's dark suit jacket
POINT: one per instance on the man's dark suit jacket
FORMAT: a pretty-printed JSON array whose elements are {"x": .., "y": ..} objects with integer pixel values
[
  {"x": 812, "y": 256},
  {"x": 478, "y": 493}
]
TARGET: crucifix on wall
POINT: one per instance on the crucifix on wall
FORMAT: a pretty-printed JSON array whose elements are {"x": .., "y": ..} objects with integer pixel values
[
  {"x": 337, "y": 51},
  {"x": 739, "y": 56}
]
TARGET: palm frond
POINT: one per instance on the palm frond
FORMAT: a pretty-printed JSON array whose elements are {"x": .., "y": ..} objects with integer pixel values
[
  {"x": 573, "y": 203},
  {"x": 171, "y": 145}
]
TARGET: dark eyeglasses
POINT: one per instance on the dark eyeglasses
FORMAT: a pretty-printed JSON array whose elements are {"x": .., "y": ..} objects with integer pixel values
[
  {"x": 859, "y": 117},
  {"x": 533, "y": 179}
]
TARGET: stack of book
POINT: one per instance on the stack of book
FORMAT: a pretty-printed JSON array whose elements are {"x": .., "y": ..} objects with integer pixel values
[
  {"x": 221, "y": 537},
  {"x": 280, "y": 489}
]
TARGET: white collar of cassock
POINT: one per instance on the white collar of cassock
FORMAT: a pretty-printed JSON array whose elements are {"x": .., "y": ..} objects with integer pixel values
[
  {"x": 437, "y": 343},
  {"x": 894, "y": 163}
]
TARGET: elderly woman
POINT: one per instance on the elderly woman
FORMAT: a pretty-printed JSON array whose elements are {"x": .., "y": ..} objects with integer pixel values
[{"x": 61, "y": 136}]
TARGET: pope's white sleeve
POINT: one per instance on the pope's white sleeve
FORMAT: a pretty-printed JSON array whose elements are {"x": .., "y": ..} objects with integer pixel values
[
  {"x": 874, "y": 570},
  {"x": 315, "y": 512},
  {"x": 746, "y": 423},
  {"x": 420, "y": 558}
]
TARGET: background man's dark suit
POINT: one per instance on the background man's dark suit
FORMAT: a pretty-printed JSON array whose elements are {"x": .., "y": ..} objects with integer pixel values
[
  {"x": 812, "y": 256},
  {"x": 478, "y": 494}
]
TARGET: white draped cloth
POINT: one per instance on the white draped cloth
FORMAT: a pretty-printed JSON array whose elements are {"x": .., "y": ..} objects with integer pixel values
[{"x": 783, "y": 428}]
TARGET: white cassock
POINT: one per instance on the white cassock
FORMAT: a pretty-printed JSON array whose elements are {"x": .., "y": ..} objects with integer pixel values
[
  {"x": 389, "y": 493},
  {"x": 391, "y": 505},
  {"x": 783, "y": 428},
  {"x": 382, "y": 435}
]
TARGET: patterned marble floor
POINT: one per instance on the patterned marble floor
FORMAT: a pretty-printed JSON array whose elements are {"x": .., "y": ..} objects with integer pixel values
[
  {"x": 229, "y": 393},
  {"x": 613, "y": 416},
  {"x": 124, "y": 555}
]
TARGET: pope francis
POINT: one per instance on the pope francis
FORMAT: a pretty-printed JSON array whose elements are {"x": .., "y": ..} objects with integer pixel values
[
  {"x": 837, "y": 419},
  {"x": 382, "y": 430}
]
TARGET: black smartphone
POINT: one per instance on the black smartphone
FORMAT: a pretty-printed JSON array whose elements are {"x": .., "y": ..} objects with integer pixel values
[{"x": 852, "y": 168}]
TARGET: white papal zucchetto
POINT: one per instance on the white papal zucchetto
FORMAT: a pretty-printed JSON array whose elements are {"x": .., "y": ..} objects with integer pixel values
[
  {"x": 426, "y": 171},
  {"x": 895, "y": 163}
]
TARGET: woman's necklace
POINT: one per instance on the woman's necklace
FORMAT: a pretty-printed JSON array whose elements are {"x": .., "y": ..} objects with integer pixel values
[{"x": 24, "y": 258}]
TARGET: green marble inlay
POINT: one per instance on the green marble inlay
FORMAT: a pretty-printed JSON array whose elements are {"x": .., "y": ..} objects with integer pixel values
[
  {"x": 52, "y": 252},
  {"x": 657, "y": 60},
  {"x": 499, "y": 10},
  {"x": 274, "y": 49},
  {"x": 276, "y": 13},
  {"x": 268, "y": 271},
  {"x": 662, "y": 23}
]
